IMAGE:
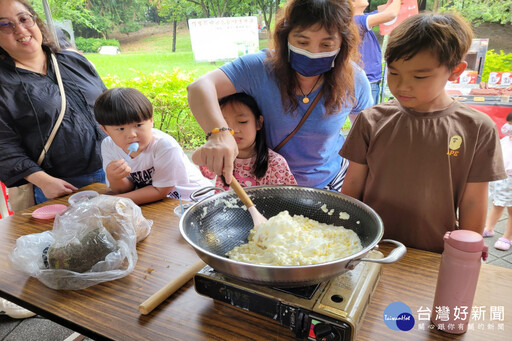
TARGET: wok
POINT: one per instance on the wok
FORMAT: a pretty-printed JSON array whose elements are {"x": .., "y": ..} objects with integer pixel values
[{"x": 220, "y": 222}]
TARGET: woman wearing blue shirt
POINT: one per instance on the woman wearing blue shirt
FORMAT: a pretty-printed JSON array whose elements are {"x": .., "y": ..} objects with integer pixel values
[{"x": 315, "y": 46}]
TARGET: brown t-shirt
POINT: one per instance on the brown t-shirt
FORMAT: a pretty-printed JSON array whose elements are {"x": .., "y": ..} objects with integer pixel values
[{"x": 419, "y": 164}]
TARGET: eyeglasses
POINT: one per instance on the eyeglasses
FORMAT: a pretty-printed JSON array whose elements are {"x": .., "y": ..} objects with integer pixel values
[{"x": 24, "y": 20}]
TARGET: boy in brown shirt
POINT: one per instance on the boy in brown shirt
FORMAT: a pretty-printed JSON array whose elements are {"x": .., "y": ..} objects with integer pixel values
[{"x": 423, "y": 161}]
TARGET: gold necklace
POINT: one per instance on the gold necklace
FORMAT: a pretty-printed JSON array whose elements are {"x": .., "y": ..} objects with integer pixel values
[{"x": 305, "y": 99}]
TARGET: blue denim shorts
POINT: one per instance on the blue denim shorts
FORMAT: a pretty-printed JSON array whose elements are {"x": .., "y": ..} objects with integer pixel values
[
  {"x": 375, "y": 91},
  {"x": 78, "y": 181}
]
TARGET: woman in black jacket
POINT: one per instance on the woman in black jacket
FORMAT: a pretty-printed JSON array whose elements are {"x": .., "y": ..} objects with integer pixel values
[{"x": 30, "y": 103}]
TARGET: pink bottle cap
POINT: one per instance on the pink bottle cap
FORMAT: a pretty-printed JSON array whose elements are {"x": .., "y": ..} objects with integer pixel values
[{"x": 465, "y": 240}]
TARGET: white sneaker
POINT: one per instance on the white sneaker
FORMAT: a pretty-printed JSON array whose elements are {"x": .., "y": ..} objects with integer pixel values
[{"x": 13, "y": 310}]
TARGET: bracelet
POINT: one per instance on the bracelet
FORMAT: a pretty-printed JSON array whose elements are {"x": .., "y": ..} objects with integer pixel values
[{"x": 218, "y": 130}]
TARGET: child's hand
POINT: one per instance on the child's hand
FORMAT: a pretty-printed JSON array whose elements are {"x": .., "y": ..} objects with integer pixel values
[{"x": 118, "y": 169}]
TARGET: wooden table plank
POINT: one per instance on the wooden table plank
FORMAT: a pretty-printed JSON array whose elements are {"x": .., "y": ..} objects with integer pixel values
[
  {"x": 413, "y": 280},
  {"x": 110, "y": 310}
]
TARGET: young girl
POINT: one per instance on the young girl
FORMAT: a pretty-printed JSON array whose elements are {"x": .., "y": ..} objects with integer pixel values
[
  {"x": 255, "y": 164},
  {"x": 501, "y": 192},
  {"x": 158, "y": 168}
]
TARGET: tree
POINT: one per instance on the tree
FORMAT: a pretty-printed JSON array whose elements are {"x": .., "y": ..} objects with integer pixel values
[
  {"x": 478, "y": 11},
  {"x": 216, "y": 8},
  {"x": 112, "y": 13},
  {"x": 73, "y": 10},
  {"x": 267, "y": 8},
  {"x": 175, "y": 11},
  {"x": 97, "y": 16}
]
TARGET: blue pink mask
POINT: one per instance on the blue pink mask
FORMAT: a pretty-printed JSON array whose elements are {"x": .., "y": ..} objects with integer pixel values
[{"x": 311, "y": 64}]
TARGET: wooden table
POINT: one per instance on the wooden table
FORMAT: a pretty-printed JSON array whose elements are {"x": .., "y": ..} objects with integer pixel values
[{"x": 110, "y": 310}]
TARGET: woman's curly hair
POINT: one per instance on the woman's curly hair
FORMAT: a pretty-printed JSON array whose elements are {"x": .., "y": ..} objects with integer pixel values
[{"x": 336, "y": 17}]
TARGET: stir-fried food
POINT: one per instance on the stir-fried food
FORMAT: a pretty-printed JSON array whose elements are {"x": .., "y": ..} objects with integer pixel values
[{"x": 297, "y": 240}]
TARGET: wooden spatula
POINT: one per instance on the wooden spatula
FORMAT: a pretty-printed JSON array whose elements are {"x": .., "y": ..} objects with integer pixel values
[{"x": 257, "y": 217}]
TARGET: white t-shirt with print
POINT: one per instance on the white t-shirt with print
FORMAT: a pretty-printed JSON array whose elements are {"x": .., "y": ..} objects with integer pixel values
[{"x": 162, "y": 164}]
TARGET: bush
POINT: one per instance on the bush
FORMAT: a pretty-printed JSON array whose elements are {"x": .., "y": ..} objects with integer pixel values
[
  {"x": 496, "y": 62},
  {"x": 168, "y": 94},
  {"x": 478, "y": 11},
  {"x": 91, "y": 45},
  {"x": 129, "y": 27},
  {"x": 374, "y": 4}
]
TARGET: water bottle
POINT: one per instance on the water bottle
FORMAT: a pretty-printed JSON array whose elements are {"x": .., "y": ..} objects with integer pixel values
[{"x": 457, "y": 279}]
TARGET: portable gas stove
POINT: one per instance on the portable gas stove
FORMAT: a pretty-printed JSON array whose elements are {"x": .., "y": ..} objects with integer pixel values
[{"x": 328, "y": 311}]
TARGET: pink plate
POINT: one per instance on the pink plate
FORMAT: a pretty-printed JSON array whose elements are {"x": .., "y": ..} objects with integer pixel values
[{"x": 49, "y": 211}]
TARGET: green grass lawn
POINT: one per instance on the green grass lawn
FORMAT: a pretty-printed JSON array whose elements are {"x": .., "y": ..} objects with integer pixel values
[
  {"x": 154, "y": 54},
  {"x": 122, "y": 65}
]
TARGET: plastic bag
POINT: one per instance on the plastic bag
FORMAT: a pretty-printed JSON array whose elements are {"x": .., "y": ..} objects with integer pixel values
[{"x": 92, "y": 242}]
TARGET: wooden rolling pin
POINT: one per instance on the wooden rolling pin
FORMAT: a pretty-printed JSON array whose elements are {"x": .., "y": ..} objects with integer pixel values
[{"x": 170, "y": 288}]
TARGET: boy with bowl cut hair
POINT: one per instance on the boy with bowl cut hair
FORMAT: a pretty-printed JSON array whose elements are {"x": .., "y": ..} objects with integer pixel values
[
  {"x": 158, "y": 168},
  {"x": 447, "y": 36},
  {"x": 422, "y": 158}
]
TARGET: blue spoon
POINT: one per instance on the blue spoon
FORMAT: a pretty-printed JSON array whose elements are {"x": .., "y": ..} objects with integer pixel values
[{"x": 133, "y": 147}]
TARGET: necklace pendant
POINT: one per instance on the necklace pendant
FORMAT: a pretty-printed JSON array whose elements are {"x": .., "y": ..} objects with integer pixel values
[{"x": 305, "y": 100}]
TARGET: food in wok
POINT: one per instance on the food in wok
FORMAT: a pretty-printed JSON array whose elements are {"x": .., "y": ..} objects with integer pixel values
[
  {"x": 297, "y": 240},
  {"x": 213, "y": 229}
]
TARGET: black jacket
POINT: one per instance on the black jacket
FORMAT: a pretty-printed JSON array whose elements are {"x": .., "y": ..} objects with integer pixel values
[{"x": 25, "y": 128}]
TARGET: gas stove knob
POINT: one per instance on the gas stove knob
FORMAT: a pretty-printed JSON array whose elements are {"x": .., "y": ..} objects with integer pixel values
[
  {"x": 326, "y": 332},
  {"x": 301, "y": 327}
]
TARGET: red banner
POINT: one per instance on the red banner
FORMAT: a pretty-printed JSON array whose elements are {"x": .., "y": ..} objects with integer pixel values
[
  {"x": 407, "y": 9},
  {"x": 497, "y": 112}
]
